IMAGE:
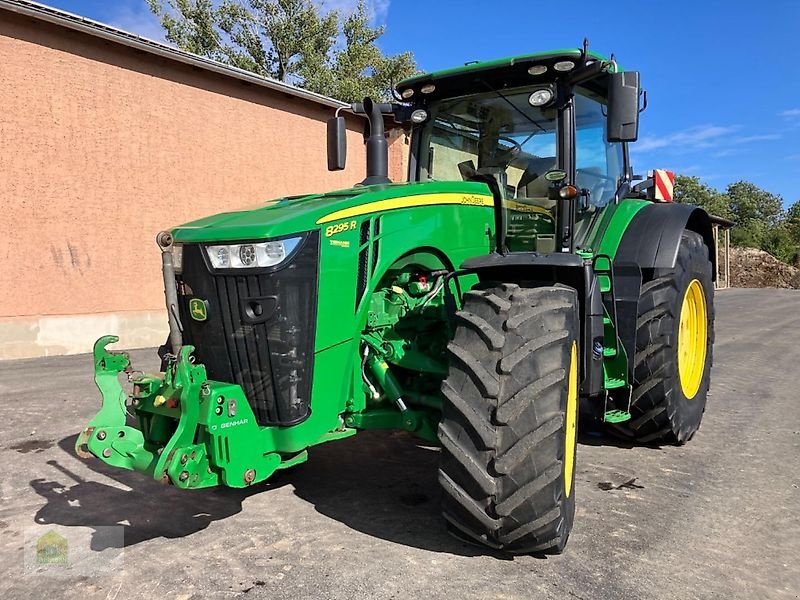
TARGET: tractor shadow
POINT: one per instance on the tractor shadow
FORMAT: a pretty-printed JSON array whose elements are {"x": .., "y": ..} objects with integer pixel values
[
  {"x": 383, "y": 484},
  {"x": 593, "y": 433},
  {"x": 147, "y": 510},
  {"x": 604, "y": 438},
  {"x": 380, "y": 483}
]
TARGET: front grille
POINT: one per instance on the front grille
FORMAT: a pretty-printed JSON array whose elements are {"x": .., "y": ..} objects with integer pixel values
[{"x": 260, "y": 329}]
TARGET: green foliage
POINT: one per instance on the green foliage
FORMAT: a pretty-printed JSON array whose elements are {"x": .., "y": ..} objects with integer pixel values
[
  {"x": 190, "y": 25},
  {"x": 748, "y": 202},
  {"x": 760, "y": 219},
  {"x": 792, "y": 220},
  {"x": 690, "y": 190},
  {"x": 288, "y": 40},
  {"x": 359, "y": 68}
]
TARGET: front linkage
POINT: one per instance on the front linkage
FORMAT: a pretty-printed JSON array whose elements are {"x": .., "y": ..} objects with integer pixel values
[{"x": 184, "y": 425}]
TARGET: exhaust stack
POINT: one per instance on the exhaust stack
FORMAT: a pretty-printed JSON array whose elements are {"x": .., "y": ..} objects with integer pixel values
[
  {"x": 377, "y": 146},
  {"x": 374, "y": 139}
]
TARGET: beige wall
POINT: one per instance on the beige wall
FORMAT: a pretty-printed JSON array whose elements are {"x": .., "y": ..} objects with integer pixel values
[{"x": 102, "y": 146}]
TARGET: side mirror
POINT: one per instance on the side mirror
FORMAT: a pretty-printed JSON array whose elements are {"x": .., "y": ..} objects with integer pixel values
[
  {"x": 337, "y": 144},
  {"x": 623, "y": 107}
]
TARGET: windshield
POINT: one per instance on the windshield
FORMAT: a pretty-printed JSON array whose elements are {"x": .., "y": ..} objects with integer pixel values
[{"x": 502, "y": 135}]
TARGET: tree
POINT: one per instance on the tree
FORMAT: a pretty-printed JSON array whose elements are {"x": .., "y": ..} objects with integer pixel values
[
  {"x": 792, "y": 223},
  {"x": 760, "y": 219},
  {"x": 748, "y": 201},
  {"x": 690, "y": 190},
  {"x": 191, "y": 25},
  {"x": 275, "y": 38},
  {"x": 289, "y": 40},
  {"x": 360, "y": 69},
  {"x": 758, "y": 215}
]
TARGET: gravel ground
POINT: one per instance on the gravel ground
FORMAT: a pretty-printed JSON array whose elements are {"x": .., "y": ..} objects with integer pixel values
[{"x": 717, "y": 518}]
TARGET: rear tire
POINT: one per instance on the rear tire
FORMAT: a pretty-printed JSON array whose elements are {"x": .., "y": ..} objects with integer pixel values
[
  {"x": 669, "y": 394},
  {"x": 508, "y": 428}
]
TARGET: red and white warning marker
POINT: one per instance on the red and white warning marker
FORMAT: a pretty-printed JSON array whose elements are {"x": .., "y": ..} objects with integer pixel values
[{"x": 663, "y": 185}]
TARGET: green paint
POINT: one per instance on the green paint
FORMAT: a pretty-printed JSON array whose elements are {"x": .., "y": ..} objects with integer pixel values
[
  {"x": 615, "y": 223},
  {"x": 617, "y": 416}
]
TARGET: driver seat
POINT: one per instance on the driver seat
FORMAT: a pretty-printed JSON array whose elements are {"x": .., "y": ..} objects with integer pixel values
[{"x": 532, "y": 183}]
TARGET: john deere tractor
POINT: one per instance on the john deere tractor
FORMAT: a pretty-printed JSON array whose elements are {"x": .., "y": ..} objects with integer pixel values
[{"x": 521, "y": 274}]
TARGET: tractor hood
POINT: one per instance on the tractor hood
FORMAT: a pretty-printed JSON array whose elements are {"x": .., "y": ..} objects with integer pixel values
[{"x": 285, "y": 216}]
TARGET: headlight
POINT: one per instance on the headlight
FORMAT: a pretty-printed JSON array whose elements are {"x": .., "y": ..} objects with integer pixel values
[
  {"x": 541, "y": 97},
  {"x": 252, "y": 255},
  {"x": 419, "y": 116}
]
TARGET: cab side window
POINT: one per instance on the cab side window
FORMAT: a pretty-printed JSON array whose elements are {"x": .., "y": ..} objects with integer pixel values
[{"x": 600, "y": 165}]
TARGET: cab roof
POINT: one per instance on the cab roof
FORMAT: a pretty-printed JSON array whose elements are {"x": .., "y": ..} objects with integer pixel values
[{"x": 499, "y": 73}]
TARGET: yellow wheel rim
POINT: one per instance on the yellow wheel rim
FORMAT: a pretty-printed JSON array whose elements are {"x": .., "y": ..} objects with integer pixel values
[
  {"x": 571, "y": 420},
  {"x": 692, "y": 339}
]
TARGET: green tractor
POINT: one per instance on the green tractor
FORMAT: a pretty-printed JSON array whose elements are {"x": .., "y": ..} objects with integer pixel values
[{"x": 520, "y": 276}]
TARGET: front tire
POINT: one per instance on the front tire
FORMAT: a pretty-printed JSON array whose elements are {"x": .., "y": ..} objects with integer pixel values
[
  {"x": 674, "y": 343},
  {"x": 508, "y": 428}
]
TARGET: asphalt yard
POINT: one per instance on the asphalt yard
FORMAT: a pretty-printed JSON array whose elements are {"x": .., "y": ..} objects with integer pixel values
[{"x": 717, "y": 518}]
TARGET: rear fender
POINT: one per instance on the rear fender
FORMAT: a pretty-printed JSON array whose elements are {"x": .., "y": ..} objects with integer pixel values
[
  {"x": 653, "y": 236},
  {"x": 651, "y": 242}
]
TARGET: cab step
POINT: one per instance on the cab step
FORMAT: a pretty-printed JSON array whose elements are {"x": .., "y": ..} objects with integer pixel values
[
  {"x": 614, "y": 383},
  {"x": 616, "y": 416}
]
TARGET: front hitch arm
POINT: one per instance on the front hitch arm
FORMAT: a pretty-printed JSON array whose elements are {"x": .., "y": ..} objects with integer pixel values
[
  {"x": 126, "y": 448},
  {"x": 193, "y": 433},
  {"x": 107, "y": 367}
]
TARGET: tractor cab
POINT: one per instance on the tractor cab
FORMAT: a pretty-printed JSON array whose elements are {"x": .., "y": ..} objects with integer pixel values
[{"x": 540, "y": 129}]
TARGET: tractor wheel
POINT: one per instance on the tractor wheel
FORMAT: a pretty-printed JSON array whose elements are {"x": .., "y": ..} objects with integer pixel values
[
  {"x": 674, "y": 340},
  {"x": 508, "y": 428}
]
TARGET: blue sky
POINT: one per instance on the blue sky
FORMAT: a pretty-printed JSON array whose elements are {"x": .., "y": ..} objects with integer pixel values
[{"x": 723, "y": 77}]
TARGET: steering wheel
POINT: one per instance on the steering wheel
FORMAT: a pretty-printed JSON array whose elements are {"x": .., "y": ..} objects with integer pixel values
[{"x": 503, "y": 157}]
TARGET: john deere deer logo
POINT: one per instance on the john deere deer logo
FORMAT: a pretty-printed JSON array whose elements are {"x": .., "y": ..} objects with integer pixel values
[{"x": 198, "y": 309}]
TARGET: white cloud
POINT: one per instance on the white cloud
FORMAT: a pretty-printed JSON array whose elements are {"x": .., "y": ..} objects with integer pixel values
[
  {"x": 762, "y": 137},
  {"x": 694, "y": 138},
  {"x": 791, "y": 113},
  {"x": 726, "y": 152},
  {"x": 702, "y": 137},
  {"x": 137, "y": 19}
]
